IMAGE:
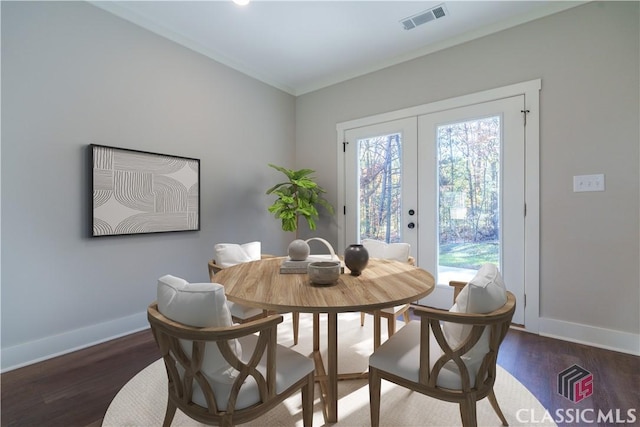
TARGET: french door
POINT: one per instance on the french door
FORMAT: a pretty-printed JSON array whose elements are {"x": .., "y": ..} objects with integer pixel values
[
  {"x": 451, "y": 183},
  {"x": 472, "y": 201},
  {"x": 381, "y": 182}
]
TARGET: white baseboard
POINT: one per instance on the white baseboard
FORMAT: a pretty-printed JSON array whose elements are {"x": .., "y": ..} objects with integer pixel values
[
  {"x": 624, "y": 342},
  {"x": 31, "y": 352}
]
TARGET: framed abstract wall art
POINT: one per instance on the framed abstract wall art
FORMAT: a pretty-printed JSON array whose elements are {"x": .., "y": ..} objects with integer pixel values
[{"x": 137, "y": 192}]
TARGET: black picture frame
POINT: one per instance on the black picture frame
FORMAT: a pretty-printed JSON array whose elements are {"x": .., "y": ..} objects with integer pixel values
[{"x": 139, "y": 192}]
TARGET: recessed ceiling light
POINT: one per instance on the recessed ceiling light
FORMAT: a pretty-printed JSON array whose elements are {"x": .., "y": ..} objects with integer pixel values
[{"x": 241, "y": 2}]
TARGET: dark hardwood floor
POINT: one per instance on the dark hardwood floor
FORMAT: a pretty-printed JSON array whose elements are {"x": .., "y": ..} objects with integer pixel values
[{"x": 76, "y": 389}]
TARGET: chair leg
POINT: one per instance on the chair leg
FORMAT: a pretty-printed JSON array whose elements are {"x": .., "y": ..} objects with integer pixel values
[
  {"x": 296, "y": 326},
  {"x": 496, "y": 407},
  {"x": 307, "y": 402},
  {"x": 169, "y": 414},
  {"x": 391, "y": 325},
  {"x": 316, "y": 331},
  {"x": 468, "y": 411},
  {"x": 362, "y": 318},
  {"x": 374, "y": 396}
]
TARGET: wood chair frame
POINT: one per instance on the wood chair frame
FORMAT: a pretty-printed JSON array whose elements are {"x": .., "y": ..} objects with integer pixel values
[
  {"x": 215, "y": 268},
  {"x": 391, "y": 317},
  {"x": 168, "y": 334},
  {"x": 457, "y": 288},
  {"x": 430, "y": 320}
]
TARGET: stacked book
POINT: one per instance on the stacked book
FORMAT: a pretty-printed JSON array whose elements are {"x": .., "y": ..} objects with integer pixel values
[{"x": 289, "y": 266}]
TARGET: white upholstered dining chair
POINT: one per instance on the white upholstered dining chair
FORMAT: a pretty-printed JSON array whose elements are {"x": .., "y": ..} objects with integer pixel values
[
  {"x": 220, "y": 373},
  {"x": 230, "y": 254},
  {"x": 450, "y": 355},
  {"x": 398, "y": 252}
]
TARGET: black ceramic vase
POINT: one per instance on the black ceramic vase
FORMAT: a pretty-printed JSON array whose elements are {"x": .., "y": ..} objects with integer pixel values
[{"x": 356, "y": 258}]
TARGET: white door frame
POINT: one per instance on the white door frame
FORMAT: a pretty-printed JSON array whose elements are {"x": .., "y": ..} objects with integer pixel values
[{"x": 531, "y": 91}]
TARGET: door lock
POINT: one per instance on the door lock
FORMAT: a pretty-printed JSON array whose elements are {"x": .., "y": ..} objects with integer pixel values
[{"x": 411, "y": 225}]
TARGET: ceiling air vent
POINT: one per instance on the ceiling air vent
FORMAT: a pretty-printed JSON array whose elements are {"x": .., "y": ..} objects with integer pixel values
[{"x": 424, "y": 17}]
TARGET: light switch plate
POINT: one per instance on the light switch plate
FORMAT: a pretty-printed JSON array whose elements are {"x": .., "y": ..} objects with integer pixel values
[{"x": 588, "y": 183}]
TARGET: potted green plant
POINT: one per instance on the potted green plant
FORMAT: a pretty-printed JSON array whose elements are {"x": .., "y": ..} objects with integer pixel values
[{"x": 298, "y": 197}]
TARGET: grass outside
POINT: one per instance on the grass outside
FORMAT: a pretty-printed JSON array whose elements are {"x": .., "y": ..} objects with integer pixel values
[{"x": 469, "y": 255}]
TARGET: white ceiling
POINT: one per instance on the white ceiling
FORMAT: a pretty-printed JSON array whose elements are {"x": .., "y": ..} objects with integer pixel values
[{"x": 300, "y": 46}]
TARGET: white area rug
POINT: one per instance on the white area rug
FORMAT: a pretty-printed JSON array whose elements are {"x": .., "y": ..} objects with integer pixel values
[{"x": 142, "y": 401}]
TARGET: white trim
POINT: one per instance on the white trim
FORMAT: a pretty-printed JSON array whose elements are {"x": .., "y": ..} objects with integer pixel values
[
  {"x": 526, "y": 88},
  {"x": 532, "y": 202},
  {"x": 609, "y": 339},
  {"x": 35, "y": 351},
  {"x": 340, "y": 193},
  {"x": 530, "y": 90}
]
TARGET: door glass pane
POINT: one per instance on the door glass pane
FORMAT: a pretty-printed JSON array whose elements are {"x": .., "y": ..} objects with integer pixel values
[
  {"x": 379, "y": 184},
  {"x": 469, "y": 196}
]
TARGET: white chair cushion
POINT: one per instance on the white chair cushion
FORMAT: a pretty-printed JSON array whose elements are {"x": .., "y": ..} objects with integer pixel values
[
  {"x": 400, "y": 355},
  {"x": 243, "y": 312},
  {"x": 485, "y": 293},
  {"x": 290, "y": 367},
  {"x": 395, "y": 251},
  {"x": 229, "y": 254},
  {"x": 394, "y": 310},
  {"x": 199, "y": 305}
]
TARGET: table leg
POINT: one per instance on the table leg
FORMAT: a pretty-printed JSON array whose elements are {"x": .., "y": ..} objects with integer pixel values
[
  {"x": 376, "y": 329},
  {"x": 321, "y": 375},
  {"x": 316, "y": 331},
  {"x": 328, "y": 379},
  {"x": 332, "y": 355}
]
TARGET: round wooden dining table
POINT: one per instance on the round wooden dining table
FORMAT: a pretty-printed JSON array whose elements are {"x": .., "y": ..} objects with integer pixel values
[{"x": 382, "y": 284}]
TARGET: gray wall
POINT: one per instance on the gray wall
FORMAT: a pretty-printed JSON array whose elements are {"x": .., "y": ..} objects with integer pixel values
[
  {"x": 72, "y": 75},
  {"x": 588, "y": 60}
]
